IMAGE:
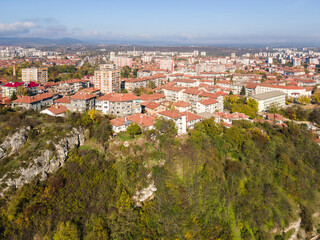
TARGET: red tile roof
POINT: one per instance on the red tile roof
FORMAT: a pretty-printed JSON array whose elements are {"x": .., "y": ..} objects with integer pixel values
[
  {"x": 139, "y": 118},
  {"x": 17, "y": 84},
  {"x": 151, "y": 97},
  {"x": 171, "y": 113},
  {"x": 118, "y": 97},
  {"x": 209, "y": 101},
  {"x": 57, "y": 109},
  {"x": 181, "y": 104},
  {"x": 65, "y": 99},
  {"x": 191, "y": 116},
  {"x": 152, "y": 105},
  {"x": 83, "y": 96}
]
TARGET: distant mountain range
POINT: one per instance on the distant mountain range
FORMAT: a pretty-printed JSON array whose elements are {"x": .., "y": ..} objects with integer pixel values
[{"x": 72, "y": 41}]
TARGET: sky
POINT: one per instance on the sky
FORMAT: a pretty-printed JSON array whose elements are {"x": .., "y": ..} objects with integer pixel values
[{"x": 177, "y": 21}]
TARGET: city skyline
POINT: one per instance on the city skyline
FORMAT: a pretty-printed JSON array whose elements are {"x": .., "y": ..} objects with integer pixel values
[{"x": 180, "y": 22}]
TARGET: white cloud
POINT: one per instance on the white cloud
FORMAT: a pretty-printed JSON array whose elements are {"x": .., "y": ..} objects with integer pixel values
[{"x": 16, "y": 28}]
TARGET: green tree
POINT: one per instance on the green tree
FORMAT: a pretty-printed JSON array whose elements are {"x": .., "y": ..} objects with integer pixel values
[
  {"x": 22, "y": 91},
  {"x": 134, "y": 129},
  {"x": 246, "y": 109},
  {"x": 139, "y": 91},
  {"x": 243, "y": 91},
  {"x": 253, "y": 104},
  {"x": 13, "y": 96},
  {"x": 125, "y": 72},
  {"x": 151, "y": 85},
  {"x": 66, "y": 231},
  {"x": 303, "y": 100},
  {"x": 273, "y": 108},
  {"x": 316, "y": 96}
]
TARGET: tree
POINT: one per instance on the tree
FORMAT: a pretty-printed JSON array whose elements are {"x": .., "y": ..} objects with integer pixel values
[
  {"x": 243, "y": 91},
  {"x": 151, "y": 85},
  {"x": 303, "y": 100},
  {"x": 134, "y": 129},
  {"x": 22, "y": 91},
  {"x": 273, "y": 108},
  {"x": 253, "y": 104},
  {"x": 139, "y": 91},
  {"x": 244, "y": 108},
  {"x": 124, "y": 91},
  {"x": 165, "y": 126},
  {"x": 66, "y": 231},
  {"x": 13, "y": 96},
  {"x": 316, "y": 96},
  {"x": 125, "y": 72},
  {"x": 314, "y": 116}
]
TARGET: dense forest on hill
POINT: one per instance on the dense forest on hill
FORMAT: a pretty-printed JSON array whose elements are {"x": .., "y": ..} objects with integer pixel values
[{"x": 247, "y": 182}]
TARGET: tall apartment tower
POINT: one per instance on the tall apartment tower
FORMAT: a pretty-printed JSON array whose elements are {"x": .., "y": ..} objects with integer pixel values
[
  {"x": 107, "y": 79},
  {"x": 34, "y": 75},
  {"x": 167, "y": 64}
]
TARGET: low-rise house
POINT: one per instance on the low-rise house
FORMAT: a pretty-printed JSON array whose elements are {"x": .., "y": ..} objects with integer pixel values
[
  {"x": 208, "y": 105},
  {"x": 33, "y": 102},
  {"x": 56, "y": 111},
  {"x": 230, "y": 117},
  {"x": 192, "y": 119},
  {"x": 132, "y": 83},
  {"x": 152, "y": 108},
  {"x": 10, "y": 88},
  {"x": 121, "y": 124},
  {"x": 173, "y": 93},
  {"x": 155, "y": 97},
  {"x": 28, "y": 103},
  {"x": 275, "y": 117},
  {"x": 179, "y": 119},
  {"x": 81, "y": 102},
  {"x": 4, "y": 100},
  {"x": 182, "y": 106},
  {"x": 119, "y": 104},
  {"x": 65, "y": 101},
  {"x": 186, "y": 82}
]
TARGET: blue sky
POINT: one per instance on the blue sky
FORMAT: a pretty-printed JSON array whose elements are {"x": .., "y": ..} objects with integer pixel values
[{"x": 181, "y": 21}]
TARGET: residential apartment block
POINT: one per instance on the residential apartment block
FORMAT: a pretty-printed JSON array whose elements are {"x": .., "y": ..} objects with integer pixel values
[
  {"x": 34, "y": 75},
  {"x": 81, "y": 102},
  {"x": 119, "y": 104},
  {"x": 107, "y": 80}
]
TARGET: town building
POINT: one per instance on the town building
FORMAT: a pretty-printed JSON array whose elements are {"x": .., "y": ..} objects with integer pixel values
[
  {"x": 118, "y": 104},
  {"x": 10, "y": 88},
  {"x": 167, "y": 64},
  {"x": 178, "y": 118},
  {"x": 107, "y": 80},
  {"x": 81, "y": 102},
  {"x": 34, "y": 75},
  {"x": 266, "y": 99},
  {"x": 55, "y": 111}
]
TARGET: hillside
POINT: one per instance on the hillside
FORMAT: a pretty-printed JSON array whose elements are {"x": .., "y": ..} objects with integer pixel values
[{"x": 252, "y": 181}]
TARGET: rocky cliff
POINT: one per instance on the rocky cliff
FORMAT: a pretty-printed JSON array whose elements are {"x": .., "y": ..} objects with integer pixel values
[
  {"x": 13, "y": 143},
  {"x": 48, "y": 162}
]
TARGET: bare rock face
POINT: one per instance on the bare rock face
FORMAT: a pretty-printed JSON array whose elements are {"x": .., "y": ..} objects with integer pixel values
[
  {"x": 48, "y": 162},
  {"x": 13, "y": 143}
]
